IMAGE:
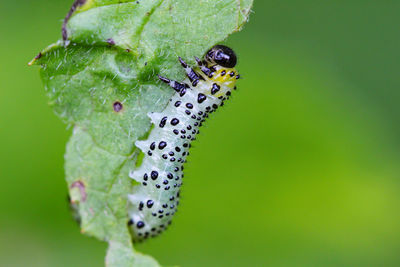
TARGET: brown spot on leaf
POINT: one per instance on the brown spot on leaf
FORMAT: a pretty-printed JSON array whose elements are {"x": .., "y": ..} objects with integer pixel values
[
  {"x": 110, "y": 41},
  {"x": 38, "y": 56},
  {"x": 117, "y": 106},
  {"x": 81, "y": 187}
]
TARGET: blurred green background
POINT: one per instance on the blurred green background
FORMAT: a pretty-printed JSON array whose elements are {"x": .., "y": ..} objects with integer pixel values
[{"x": 300, "y": 169}]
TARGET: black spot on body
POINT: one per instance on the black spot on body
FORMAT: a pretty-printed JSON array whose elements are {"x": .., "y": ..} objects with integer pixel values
[
  {"x": 162, "y": 145},
  {"x": 215, "y": 88},
  {"x": 140, "y": 224},
  {"x": 141, "y": 205},
  {"x": 201, "y": 98},
  {"x": 162, "y": 122},
  {"x": 154, "y": 175},
  {"x": 174, "y": 121},
  {"x": 182, "y": 92},
  {"x": 150, "y": 203},
  {"x": 153, "y": 146}
]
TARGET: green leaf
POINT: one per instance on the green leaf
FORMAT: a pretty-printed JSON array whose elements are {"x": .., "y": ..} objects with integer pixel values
[{"x": 109, "y": 60}]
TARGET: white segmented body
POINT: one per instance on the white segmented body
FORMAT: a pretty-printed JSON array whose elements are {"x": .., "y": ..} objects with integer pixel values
[{"x": 153, "y": 203}]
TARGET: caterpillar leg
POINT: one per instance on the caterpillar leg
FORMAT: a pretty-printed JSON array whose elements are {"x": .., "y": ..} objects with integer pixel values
[
  {"x": 207, "y": 71},
  {"x": 178, "y": 87},
  {"x": 193, "y": 76}
]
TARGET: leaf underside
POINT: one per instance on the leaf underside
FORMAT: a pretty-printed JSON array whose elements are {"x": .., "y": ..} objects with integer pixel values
[{"x": 111, "y": 54}]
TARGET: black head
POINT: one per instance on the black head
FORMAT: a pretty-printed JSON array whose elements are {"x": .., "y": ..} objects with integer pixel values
[{"x": 222, "y": 55}]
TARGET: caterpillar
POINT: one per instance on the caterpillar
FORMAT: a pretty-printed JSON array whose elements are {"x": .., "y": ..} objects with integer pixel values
[{"x": 152, "y": 204}]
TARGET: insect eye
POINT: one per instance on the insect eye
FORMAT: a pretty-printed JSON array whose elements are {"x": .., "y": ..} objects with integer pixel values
[
  {"x": 222, "y": 55},
  {"x": 219, "y": 55}
]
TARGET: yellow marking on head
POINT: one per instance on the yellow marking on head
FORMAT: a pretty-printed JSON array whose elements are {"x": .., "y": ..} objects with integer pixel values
[
  {"x": 223, "y": 75},
  {"x": 226, "y": 78}
]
